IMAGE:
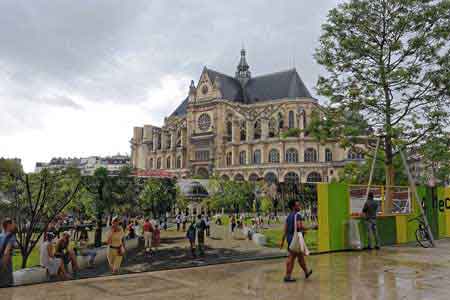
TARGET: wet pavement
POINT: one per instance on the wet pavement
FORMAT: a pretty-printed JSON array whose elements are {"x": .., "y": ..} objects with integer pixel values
[{"x": 405, "y": 272}]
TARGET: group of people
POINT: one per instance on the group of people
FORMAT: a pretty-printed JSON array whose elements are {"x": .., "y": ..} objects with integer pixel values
[{"x": 198, "y": 228}]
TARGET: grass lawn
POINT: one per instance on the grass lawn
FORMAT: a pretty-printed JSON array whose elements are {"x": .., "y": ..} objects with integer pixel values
[
  {"x": 274, "y": 235},
  {"x": 33, "y": 259}
]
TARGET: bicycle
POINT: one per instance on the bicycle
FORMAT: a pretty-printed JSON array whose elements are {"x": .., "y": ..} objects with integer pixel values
[{"x": 422, "y": 236}]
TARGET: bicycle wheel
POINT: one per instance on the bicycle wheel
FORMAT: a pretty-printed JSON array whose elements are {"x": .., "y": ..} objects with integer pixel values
[{"x": 422, "y": 238}]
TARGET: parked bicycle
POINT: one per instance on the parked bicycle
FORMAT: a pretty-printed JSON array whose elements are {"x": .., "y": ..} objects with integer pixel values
[{"x": 422, "y": 236}]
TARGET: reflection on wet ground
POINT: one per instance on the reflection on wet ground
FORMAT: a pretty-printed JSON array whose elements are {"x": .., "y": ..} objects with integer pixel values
[{"x": 405, "y": 272}]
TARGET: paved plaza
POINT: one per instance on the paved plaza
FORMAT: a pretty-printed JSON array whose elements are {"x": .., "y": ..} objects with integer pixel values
[{"x": 404, "y": 272}]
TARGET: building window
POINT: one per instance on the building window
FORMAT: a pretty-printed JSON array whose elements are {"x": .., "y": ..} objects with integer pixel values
[
  {"x": 158, "y": 163},
  {"x": 257, "y": 130},
  {"x": 291, "y": 178},
  {"x": 179, "y": 138},
  {"x": 242, "y": 158},
  {"x": 150, "y": 163},
  {"x": 274, "y": 156},
  {"x": 292, "y": 155},
  {"x": 243, "y": 131},
  {"x": 225, "y": 177},
  {"x": 229, "y": 131},
  {"x": 159, "y": 142},
  {"x": 257, "y": 157},
  {"x": 271, "y": 178},
  {"x": 179, "y": 162},
  {"x": 239, "y": 177},
  {"x": 202, "y": 155},
  {"x": 169, "y": 141},
  {"x": 229, "y": 159},
  {"x": 253, "y": 177},
  {"x": 314, "y": 177},
  {"x": 310, "y": 155},
  {"x": 328, "y": 155},
  {"x": 204, "y": 122},
  {"x": 280, "y": 120},
  {"x": 272, "y": 128},
  {"x": 355, "y": 154},
  {"x": 291, "y": 116},
  {"x": 168, "y": 163}
]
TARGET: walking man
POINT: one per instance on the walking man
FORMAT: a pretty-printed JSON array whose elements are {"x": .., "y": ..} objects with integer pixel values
[
  {"x": 370, "y": 214},
  {"x": 7, "y": 243},
  {"x": 294, "y": 219}
]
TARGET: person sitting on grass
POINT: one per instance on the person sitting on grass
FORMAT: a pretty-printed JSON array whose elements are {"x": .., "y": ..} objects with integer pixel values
[{"x": 53, "y": 265}]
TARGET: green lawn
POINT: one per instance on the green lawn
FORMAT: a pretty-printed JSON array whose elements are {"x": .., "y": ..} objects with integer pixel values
[
  {"x": 33, "y": 259},
  {"x": 274, "y": 235}
]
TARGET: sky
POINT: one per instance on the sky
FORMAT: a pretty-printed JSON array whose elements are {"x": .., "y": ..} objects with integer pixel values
[{"x": 77, "y": 76}]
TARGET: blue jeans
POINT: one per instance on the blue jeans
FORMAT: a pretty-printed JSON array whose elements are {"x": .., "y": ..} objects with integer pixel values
[{"x": 372, "y": 232}]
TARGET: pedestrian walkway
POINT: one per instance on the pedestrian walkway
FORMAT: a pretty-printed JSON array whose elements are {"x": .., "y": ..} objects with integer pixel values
[{"x": 405, "y": 272}]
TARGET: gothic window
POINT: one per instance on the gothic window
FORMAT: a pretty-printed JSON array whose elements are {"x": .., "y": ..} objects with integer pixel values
[
  {"x": 202, "y": 155},
  {"x": 271, "y": 178},
  {"x": 328, "y": 155},
  {"x": 257, "y": 157},
  {"x": 179, "y": 162},
  {"x": 225, "y": 177},
  {"x": 242, "y": 158},
  {"x": 204, "y": 122},
  {"x": 291, "y": 119},
  {"x": 257, "y": 130},
  {"x": 239, "y": 177},
  {"x": 272, "y": 128},
  {"x": 169, "y": 141},
  {"x": 291, "y": 178},
  {"x": 310, "y": 155},
  {"x": 314, "y": 177},
  {"x": 253, "y": 177},
  {"x": 229, "y": 131},
  {"x": 355, "y": 154},
  {"x": 292, "y": 155},
  {"x": 179, "y": 138},
  {"x": 274, "y": 156},
  {"x": 229, "y": 158},
  {"x": 243, "y": 131},
  {"x": 159, "y": 141},
  {"x": 150, "y": 163},
  {"x": 168, "y": 163},
  {"x": 158, "y": 163},
  {"x": 280, "y": 120}
]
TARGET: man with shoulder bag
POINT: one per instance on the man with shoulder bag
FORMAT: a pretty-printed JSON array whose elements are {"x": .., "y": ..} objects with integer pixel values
[{"x": 7, "y": 243}]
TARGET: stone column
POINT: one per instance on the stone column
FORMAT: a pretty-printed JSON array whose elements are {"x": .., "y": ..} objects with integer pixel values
[
  {"x": 163, "y": 140},
  {"x": 173, "y": 139},
  {"x": 235, "y": 131},
  {"x": 250, "y": 128},
  {"x": 282, "y": 153},
  {"x": 155, "y": 141},
  {"x": 301, "y": 117},
  {"x": 264, "y": 129},
  {"x": 301, "y": 151}
]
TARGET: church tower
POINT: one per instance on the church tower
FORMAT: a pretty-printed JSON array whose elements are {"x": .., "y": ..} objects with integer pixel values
[{"x": 242, "y": 73}]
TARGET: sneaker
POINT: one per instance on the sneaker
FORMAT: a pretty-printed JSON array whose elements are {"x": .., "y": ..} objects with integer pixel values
[
  {"x": 307, "y": 275},
  {"x": 289, "y": 279}
]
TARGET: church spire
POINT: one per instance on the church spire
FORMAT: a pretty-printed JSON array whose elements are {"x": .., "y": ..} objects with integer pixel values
[{"x": 242, "y": 73}]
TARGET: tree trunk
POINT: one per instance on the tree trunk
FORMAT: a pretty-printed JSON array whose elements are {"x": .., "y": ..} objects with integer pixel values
[
  {"x": 25, "y": 255},
  {"x": 390, "y": 175},
  {"x": 98, "y": 230}
]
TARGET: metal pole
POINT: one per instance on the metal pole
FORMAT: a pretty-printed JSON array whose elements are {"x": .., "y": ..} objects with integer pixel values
[
  {"x": 373, "y": 167},
  {"x": 416, "y": 195}
]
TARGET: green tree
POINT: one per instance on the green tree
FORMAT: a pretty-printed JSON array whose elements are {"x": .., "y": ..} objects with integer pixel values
[
  {"x": 158, "y": 196},
  {"x": 388, "y": 62},
  {"x": 36, "y": 200}
]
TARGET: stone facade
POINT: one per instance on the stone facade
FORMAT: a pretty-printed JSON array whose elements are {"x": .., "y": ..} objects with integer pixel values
[{"x": 232, "y": 127}]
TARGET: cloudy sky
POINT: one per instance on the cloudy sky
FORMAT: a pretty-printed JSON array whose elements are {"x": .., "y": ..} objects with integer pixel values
[{"x": 76, "y": 76}]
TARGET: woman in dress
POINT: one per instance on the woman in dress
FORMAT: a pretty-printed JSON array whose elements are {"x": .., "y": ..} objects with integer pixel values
[{"x": 116, "y": 247}]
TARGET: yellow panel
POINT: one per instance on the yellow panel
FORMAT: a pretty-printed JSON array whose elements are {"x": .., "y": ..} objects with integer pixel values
[
  {"x": 401, "y": 223},
  {"x": 323, "y": 236},
  {"x": 447, "y": 212}
]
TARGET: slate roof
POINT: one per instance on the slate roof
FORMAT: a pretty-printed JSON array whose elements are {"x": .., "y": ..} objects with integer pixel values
[{"x": 281, "y": 85}]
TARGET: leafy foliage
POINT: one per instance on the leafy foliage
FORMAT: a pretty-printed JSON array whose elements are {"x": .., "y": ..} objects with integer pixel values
[{"x": 158, "y": 196}]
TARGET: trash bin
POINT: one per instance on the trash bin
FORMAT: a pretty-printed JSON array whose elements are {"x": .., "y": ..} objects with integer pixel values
[{"x": 354, "y": 238}]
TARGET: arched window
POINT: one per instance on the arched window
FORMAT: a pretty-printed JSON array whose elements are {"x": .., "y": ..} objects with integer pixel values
[
  {"x": 274, "y": 156},
  {"x": 179, "y": 166},
  {"x": 257, "y": 130},
  {"x": 203, "y": 173},
  {"x": 310, "y": 155},
  {"x": 328, "y": 155},
  {"x": 291, "y": 178},
  {"x": 355, "y": 153},
  {"x": 272, "y": 128},
  {"x": 239, "y": 177},
  {"x": 168, "y": 163},
  {"x": 271, "y": 178},
  {"x": 253, "y": 177},
  {"x": 314, "y": 177},
  {"x": 292, "y": 155},
  {"x": 291, "y": 117},
  {"x": 158, "y": 163},
  {"x": 225, "y": 177},
  {"x": 257, "y": 157},
  {"x": 280, "y": 120},
  {"x": 242, "y": 158},
  {"x": 150, "y": 163},
  {"x": 229, "y": 158},
  {"x": 243, "y": 131},
  {"x": 229, "y": 131}
]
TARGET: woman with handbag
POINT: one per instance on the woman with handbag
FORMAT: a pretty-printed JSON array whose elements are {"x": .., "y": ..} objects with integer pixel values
[
  {"x": 293, "y": 229},
  {"x": 116, "y": 248}
]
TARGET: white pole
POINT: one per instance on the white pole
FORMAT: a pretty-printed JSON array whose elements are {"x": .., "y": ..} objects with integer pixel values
[{"x": 373, "y": 167}]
